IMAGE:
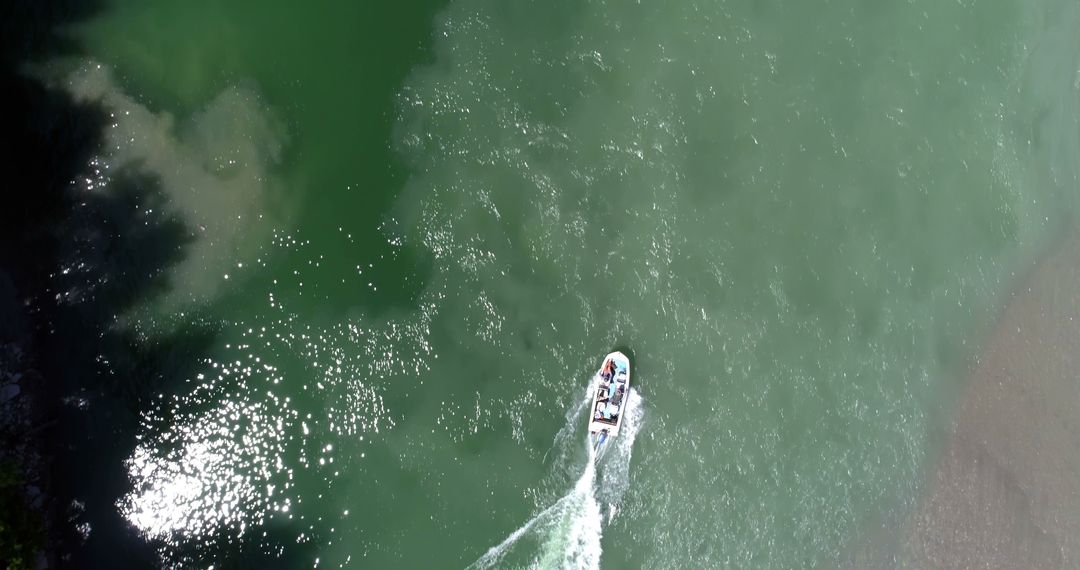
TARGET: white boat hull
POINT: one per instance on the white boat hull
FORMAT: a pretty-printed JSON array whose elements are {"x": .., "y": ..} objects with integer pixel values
[{"x": 612, "y": 383}]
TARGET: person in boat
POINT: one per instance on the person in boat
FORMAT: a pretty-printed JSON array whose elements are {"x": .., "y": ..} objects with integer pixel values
[
  {"x": 617, "y": 396},
  {"x": 607, "y": 372}
]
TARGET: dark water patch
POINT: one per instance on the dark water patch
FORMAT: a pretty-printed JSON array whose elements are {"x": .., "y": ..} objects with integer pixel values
[
  {"x": 34, "y": 159},
  {"x": 73, "y": 262}
]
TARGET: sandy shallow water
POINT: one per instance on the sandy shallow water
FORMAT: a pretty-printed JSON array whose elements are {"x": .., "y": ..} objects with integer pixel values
[{"x": 1005, "y": 492}]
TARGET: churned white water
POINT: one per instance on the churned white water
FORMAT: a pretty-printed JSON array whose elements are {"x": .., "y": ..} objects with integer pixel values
[{"x": 568, "y": 532}]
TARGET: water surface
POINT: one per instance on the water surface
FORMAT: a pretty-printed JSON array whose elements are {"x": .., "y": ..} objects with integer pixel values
[{"x": 418, "y": 229}]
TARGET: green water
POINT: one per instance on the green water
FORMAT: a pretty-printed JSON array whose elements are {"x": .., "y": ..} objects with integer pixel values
[{"x": 418, "y": 228}]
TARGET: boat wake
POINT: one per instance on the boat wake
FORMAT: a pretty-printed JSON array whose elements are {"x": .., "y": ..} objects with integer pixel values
[{"x": 567, "y": 533}]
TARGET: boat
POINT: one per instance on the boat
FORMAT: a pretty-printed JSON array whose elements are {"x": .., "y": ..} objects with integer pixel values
[{"x": 612, "y": 383}]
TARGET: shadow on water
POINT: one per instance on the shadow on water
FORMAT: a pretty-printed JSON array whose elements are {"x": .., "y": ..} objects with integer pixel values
[
  {"x": 71, "y": 262},
  {"x": 89, "y": 380}
]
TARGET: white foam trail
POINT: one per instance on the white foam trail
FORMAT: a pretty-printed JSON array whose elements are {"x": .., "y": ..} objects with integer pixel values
[
  {"x": 569, "y": 531},
  {"x": 615, "y": 476},
  {"x": 496, "y": 553},
  {"x": 573, "y": 538},
  {"x": 566, "y": 514}
]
